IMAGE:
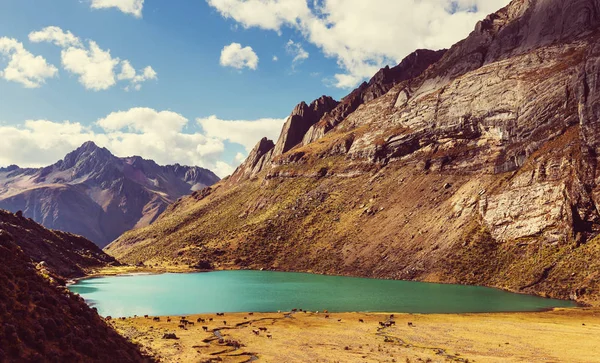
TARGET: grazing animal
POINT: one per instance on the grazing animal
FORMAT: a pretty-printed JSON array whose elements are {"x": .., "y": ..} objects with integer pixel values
[
  {"x": 190, "y": 323},
  {"x": 392, "y": 316},
  {"x": 392, "y": 322},
  {"x": 269, "y": 336},
  {"x": 262, "y": 329},
  {"x": 361, "y": 321},
  {"x": 410, "y": 324},
  {"x": 381, "y": 323},
  {"x": 156, "y": 319},
  {"x": 168, "y": 320},
  {"x": 108, "y": 318},
  {"x": 220, "y": 314},
  {"x": 256, "y": 332},
  {"x": 123, "y": 318},
  {"x": 339, "y": 319},
  {"x": 294, "y": 310},
  {"x": 146, "y": 316},
  {"x": 250, "y": 313},
  {"x": 245, "y": 318},
  {"x": 181, "y": 326},
  {"x": 224, "y": 322},
  {"x": 200, "y": 320},
  {"x": 326, "y": 316},
  {"x": 209, "y": 319},
  {"x": 205, "y": 328}
]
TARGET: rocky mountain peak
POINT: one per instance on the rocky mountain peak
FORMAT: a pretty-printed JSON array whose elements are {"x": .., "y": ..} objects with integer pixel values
[
  {"x": 302, "y": 118},
  {"x": 256, "y": 160}
]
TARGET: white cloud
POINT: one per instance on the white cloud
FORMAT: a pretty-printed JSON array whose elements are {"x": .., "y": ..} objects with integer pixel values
[
  {"x": 275, "y": 58},
  {"x": 56, "y": 35},
  {"x": 94, "y": 66},
  {"x": 133, "y": 7},
  {"x": 243, "y": 132},
  {"x": 129, "y": 73},
  {"x": 23, "y": 67},
  {"x": 239, "y": 158},
  {"x": 233, "y": 55},
  {"x": 295, "y": 50},
  {"x": 364, "y": 35},
  {"x": 152, "y": 134}
]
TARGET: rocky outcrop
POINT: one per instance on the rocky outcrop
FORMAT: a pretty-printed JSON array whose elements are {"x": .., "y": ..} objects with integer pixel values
[
  {"x": 97, "y": 195},
  {"x": 412, "y": 66},
  {"x": 303, "y": 117},
  {"x": 482, "y": 169},
  {"x": 258, "y": 158}
]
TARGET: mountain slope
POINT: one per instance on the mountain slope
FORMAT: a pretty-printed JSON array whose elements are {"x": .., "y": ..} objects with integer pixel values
[
  {"x": 97, "y": 195},
  {"x": 42, "y": 321},
  {"x": 63, "y": 254},
  {"x": 482, "y": 168}
]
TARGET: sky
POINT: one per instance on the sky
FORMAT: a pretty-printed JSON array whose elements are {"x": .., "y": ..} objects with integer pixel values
[{"x": 194, "y": 82}]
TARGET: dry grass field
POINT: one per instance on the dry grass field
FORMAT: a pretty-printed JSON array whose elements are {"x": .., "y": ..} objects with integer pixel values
[{"x": 564, "y": 335}]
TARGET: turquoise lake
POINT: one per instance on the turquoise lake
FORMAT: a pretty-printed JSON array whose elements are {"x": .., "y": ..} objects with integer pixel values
[{"x": 267, "y": 291}]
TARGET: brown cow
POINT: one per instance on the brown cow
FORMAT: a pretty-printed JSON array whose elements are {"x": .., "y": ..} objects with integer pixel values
[{"x": 205, "y": 328}]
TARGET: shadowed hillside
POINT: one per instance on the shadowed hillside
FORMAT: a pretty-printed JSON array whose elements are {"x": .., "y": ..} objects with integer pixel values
[{"x": 41, "y": 321}]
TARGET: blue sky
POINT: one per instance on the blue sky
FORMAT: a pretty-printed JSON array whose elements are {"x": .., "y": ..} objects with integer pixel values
[{"x": 336, "y": 45}]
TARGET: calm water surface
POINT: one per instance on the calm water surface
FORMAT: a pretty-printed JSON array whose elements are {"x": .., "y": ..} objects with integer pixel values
[{"x": 267, "y": 291}]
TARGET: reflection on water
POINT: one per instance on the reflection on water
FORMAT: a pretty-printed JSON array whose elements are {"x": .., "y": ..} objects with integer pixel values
[{"x": 267, "y": 291}]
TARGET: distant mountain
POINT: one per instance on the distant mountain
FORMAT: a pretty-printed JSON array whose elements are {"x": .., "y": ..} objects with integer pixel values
[{"x": 97, "y": 195}]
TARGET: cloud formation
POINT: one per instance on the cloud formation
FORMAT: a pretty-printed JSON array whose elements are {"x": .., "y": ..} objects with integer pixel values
[
  {"x": 233, "y": 55},
  {"x": 152, "y": 134},
  {"x": 295, "y": 50},
  {"x": 246, "y": 133},
  {"x": 364, "y": 36},
  {"x": 133, "y": 7},
  {"x": 23, "y": 67},
  {"x": 94, "y": 66}
]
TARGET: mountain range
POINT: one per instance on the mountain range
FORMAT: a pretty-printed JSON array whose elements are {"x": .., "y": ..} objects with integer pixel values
[
  {"x": 475, "y": 165},
  {"x": 96, "y": 194}
]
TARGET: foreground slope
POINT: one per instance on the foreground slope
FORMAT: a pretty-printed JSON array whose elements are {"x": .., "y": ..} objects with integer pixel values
[
  {"x": 97, "y": 195},
  {"x": 63, "y": 254},
  {"x": 480, "y": 169},
  {"x": 41, "y": 321}
]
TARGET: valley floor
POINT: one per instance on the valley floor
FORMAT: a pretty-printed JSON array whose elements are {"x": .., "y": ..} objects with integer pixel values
[{"x": 562, "y": 335}]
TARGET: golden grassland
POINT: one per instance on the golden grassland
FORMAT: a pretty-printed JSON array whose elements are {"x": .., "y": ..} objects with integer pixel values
[{"x": 561, "y": 335}]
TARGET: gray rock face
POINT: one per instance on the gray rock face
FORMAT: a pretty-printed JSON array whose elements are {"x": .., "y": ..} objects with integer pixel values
[
  {"x": 97, "y": 195},
  {"x": 412, "y": 66}
]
